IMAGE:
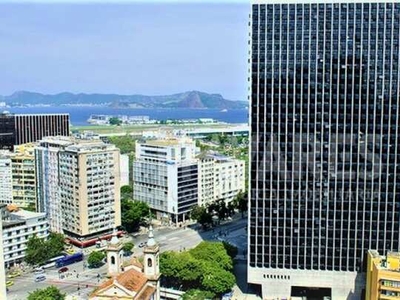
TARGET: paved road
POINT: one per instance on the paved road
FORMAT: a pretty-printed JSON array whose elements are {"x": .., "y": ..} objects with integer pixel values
[{"x": 175, "y": 239}]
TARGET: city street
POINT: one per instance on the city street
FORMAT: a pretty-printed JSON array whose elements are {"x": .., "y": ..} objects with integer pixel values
[{"x": 175, "y": 239}]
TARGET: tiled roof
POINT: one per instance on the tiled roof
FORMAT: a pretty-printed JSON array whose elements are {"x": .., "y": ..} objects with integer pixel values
[
  {"x": 146, "y": 294},
  {"x": 131, "y": 279}
]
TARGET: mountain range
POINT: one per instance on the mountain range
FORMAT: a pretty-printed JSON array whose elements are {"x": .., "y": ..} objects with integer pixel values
[{"x": 191, "y": 99}]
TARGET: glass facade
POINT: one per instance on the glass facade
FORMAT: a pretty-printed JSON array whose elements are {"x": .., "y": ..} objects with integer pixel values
[{"x": 324, "y": 134}]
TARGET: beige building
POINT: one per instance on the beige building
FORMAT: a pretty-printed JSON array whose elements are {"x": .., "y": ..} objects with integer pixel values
[
  {"x": 80, "y": 190},
  {"x": 383, "y": 276},
  {"x": 23, "y": 176},
  {"x": 220, "y": 178}
]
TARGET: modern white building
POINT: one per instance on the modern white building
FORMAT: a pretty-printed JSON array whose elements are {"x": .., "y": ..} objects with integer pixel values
[
  {"x": 18, "y": 226},
  {"x": 165, "y": 176},
  {"x": 78, "y": 185},
  {"x": 124, "y": 169},
  {"x": 5, "y": 177},
  {"x": 3, "y": 290},
  {"x": 220, "y": 178},
  {"x": 47, "y": 183}
]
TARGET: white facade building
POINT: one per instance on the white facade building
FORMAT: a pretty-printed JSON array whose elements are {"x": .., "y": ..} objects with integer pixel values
[
  {"x": 48, "y": 191},
  {"x": 220, "y": 178},
  {"x": 5, "y": 178},
  {"x": 124, "y": 169},
  {"x": 18, "y": 227},
  {"x": 165, "y": 176}
]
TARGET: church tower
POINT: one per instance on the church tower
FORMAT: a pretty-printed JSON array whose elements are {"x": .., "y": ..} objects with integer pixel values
[
  {"x": 114, "y": 255},
  {"x": 152, "y": 262}
]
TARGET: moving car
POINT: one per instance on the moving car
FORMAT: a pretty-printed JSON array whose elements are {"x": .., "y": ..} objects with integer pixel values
[
  {"x": 142, "y": 244},
  {"x": 40, "y": 278},
  {"x": 14, "y": 274},
  {"x": 63, "y": 270}
]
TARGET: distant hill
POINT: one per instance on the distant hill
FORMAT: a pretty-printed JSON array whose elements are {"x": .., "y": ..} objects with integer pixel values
[{"x": 192, "y": 99}]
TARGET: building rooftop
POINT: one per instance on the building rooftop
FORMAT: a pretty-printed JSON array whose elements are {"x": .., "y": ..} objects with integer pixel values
[
  {"x": 390, "y": 262},
  {"x": 168, "y": 142}
]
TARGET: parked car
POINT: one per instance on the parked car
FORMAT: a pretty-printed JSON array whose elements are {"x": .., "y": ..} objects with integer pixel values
[
  {"x": 9, "y": 283},
  {"x": 14, "y": 274},
  {"x": 142, "y": 244},
  {"x": 63, "y": 270}
]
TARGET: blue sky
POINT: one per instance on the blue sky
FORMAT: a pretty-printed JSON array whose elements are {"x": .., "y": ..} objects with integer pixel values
[{"x": 128, "y": 48}]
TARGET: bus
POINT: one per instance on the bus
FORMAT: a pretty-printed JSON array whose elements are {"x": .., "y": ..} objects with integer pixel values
[
  {"x": 51, "y": 262},
  {"x": 69, "y": 259}
]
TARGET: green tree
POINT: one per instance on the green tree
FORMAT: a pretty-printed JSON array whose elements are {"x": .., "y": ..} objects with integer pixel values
[
  {"x": 133, "y": 213},
  {"x": 196, "y": 294},
  {"x": 36, "y": 252},
  {"x": 125, "y": 143},
  {"x": 115, "y": 121},
  {"x": 128, "y": 247},
  {"x": 126, "y": 192},
  {"x": 200, "y": 214},
  {"x": 217, "y": 280},
  {"x": 213, "y": 252},
  {"x": 49, "y": 293},
  {"x": 241, "y": 202},
  {"x": 95, "y": 259},
  {"x": 55, "y": 244}
]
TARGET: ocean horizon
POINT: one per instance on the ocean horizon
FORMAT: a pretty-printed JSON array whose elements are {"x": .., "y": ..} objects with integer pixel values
[{"x": 80, "y": 114}]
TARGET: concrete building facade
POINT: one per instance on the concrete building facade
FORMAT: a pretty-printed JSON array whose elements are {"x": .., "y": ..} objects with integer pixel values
[
  {"x": 5, "y": 177},
  {"x": 220, "y": 178},
  {"x": 78, "y": 185},
  {"x": 165, "y": 176},
  {"x": 18, "y": 226},
  {"x": 24, "y": 176},
  {"x": 324, "y": 150},
  {"x": 89, "y": 188},
  {"x": 383, "y": 276}
]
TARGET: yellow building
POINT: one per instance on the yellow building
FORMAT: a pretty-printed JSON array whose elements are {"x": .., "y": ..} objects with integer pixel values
[
  {"x": 383, "y": 276},
  {"x": 23, "y": 176}
]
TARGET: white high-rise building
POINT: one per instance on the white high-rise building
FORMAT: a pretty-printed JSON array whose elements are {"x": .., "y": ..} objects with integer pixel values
[
  {"x": 220, "y": 178},
  {"x": 124, "y": 169},
  {"x": 5, "y": 178},
  {"x": 165, "y": 176},
  {"x": 78, "y": 185}
]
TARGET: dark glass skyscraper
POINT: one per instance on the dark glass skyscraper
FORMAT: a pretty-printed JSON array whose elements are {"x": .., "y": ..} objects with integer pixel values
[
  {"x": 324, "y": 169},
  {"x": 26, "y": 128}
]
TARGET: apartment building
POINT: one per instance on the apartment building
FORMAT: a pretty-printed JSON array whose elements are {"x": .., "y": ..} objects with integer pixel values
[
  {"x": 78, "y": 185},
  {"x": 165, "y": 176},
  {"x": 47, "y": 183},
  {"x": 124, "y": 169},
  {"x": 5, "y": 177},
  {"x": 24, "y": 176},
  {"x": 18, "y": 226},
  {"x": 383, "y": 276},
  {"x": 220, "y": 178},
  {"x": 89, "y": 188}
]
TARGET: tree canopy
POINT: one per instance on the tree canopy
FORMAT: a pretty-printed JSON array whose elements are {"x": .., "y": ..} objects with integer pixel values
[
  {"x": 95, "y": 259},
  {"x": 115, "y": 121},
  {"x": 207, "y": 267},
  {"x": 241, "y": 202},
  {"x": 39, "y": 250},
  {"x": 49, "y": 293},
  {"x": 133, "y": 214},
  {"x": 128, "y": 247},
  {"x": 125, "y": 143},
  {"x": 200, "y": 214}
]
